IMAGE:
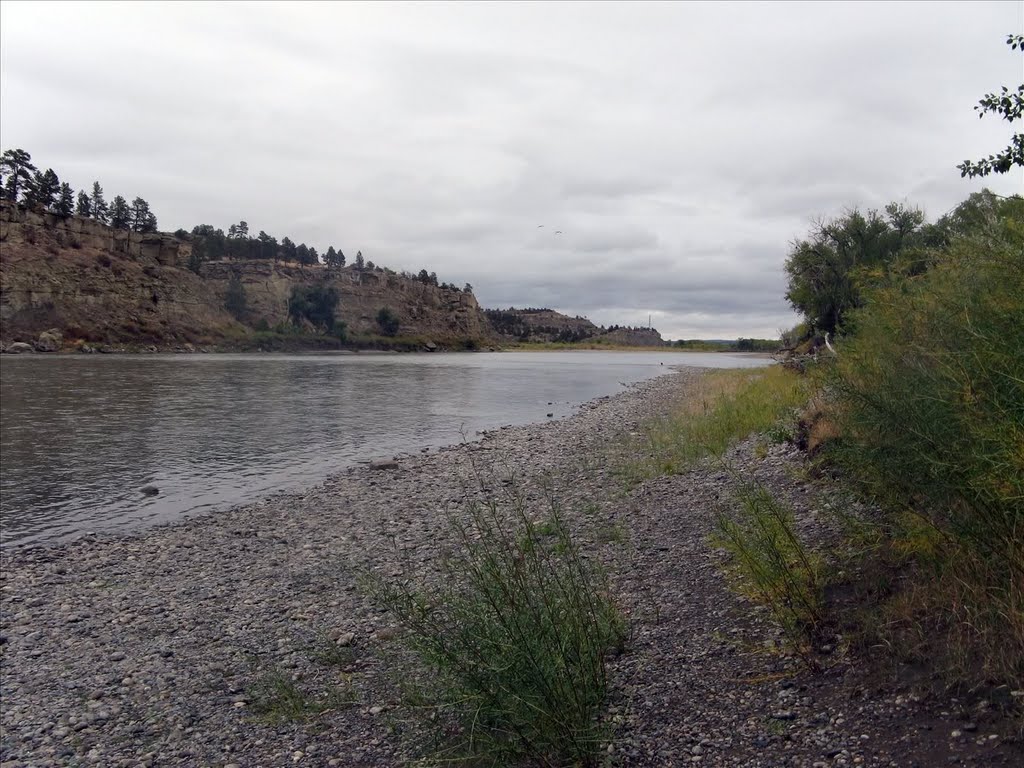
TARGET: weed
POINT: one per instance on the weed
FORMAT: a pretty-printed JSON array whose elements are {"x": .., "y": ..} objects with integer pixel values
[
  {"x": 514, "y": 635},
  {"x": 772, "y": 565},
  {"x": 277, "y": 698}
]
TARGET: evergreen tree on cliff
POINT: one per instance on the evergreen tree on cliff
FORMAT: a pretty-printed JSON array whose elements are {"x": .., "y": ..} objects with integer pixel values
[
  {"x": 100, "y": 211},
  {"x": 142, "y": 219},
  {"x": 16, "y": 164},
  {"x": 84, "y": 206},
  {"x": 65, "y": 207},
  {"x": 288, "y": 249},
  {"x": 120, "y": 213},
  {"x": 360, "y": 264},
  {"x": 43, "y": 189}
]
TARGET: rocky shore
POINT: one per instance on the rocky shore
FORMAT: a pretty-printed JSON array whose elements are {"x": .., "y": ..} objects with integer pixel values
[{"x": 184, "y": 645}]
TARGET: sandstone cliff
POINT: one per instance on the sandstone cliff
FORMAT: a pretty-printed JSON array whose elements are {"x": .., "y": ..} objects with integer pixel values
[
  {"x": 547, "y": 325},
  {"x": 106, "y": 286}
]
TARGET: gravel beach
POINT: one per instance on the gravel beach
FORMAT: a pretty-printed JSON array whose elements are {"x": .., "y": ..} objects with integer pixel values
[{"x": 161, "y": 648}]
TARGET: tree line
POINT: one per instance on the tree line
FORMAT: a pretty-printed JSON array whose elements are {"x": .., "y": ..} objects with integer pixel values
[{"x": 24, "y": 184}]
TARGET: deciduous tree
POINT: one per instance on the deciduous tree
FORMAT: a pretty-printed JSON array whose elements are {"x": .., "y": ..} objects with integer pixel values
[{"x": 1008, "y": 104}]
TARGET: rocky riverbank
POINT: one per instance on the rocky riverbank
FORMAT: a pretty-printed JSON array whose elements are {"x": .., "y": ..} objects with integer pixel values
[{"x": 247, "y": 638}]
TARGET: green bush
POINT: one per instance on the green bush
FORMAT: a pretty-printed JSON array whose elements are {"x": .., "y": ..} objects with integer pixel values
[
  {"x": 515, "y": 634},
  {"x": 929, "y": 393},
  {"x": 388, "y": 322}
]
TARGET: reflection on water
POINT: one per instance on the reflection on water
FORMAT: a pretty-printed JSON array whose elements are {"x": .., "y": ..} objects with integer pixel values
[{"x": 79, "y": 436}]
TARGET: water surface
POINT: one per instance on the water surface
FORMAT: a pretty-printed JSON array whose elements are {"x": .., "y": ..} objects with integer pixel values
[{"x": 80, "y": 435}]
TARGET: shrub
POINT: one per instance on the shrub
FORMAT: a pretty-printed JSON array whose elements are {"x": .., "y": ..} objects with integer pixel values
[
  {"x": 315, "y": 303},
  {"x": 929, "y": 397},
  {"x": 388, "y": 321},
  {"x": 515, "y": 633}
]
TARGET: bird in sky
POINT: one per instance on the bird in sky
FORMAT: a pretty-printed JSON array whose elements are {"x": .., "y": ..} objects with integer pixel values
[
  {"x": 539, "y": 226},
  {"x": 558, "y": 231}
]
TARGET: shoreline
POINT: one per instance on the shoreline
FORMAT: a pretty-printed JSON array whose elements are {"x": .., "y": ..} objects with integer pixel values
[{"x": 150, "y": 648}]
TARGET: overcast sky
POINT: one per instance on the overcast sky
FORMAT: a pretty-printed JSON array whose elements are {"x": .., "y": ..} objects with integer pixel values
[{"x": 678, "y": 147}]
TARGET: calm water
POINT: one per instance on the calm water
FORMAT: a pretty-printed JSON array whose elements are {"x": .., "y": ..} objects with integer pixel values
[{"x": 79, "y": 436}]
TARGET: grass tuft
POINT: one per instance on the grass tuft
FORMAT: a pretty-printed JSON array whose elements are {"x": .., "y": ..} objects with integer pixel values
[
  {"x": 772, "y": 565},
  {"x": 514, "y": 635}
]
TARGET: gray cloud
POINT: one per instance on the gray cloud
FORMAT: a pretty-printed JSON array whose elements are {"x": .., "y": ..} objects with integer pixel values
[{"x": 679, "y": 147}]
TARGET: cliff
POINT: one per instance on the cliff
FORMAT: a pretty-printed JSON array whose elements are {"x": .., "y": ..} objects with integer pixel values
[
  {"x": 547, "y": 325},
  {"x": 105, "y": 286}
]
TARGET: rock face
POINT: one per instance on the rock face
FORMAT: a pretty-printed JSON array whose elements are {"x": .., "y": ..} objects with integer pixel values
[
  {"x": 540, "y": 325},
  {"x": 84, "y": 283},
  {"x": 547, "y": 325}
]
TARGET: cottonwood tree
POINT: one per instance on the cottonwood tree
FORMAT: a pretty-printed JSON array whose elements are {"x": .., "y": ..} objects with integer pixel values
[
  {"x": 1010, "y": 106},
  {"x": 827, "y": 271},
  {"x": 16, "y": 165}
]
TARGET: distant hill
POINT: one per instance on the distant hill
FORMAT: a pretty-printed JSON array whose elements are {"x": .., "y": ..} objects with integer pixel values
[{"x": 548, "y": 326}]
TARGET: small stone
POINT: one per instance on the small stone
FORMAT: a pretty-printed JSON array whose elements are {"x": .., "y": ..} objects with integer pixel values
[
  {"x": 379, "y": 464},
  {"x": 345, "y": 639},
  {"x": 149, "y": 490},
  {"x": 375, "y": 710}
]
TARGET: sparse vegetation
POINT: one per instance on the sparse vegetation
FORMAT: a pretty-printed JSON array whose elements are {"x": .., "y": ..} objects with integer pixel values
[
  {"x": 723, "y": 407},
  {"x": 514, "y": 635}
]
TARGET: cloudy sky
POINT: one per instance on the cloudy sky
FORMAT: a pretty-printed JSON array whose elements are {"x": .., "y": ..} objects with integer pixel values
[{"x": 678, "y": 147}]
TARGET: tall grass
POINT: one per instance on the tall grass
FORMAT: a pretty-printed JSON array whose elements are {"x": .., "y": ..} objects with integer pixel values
[
  {"x": 723, "y": 407},
  {"x": 771, "y": 564},
  {"x": 514, "y": 634},
  {"x": 929, "y": 394}
]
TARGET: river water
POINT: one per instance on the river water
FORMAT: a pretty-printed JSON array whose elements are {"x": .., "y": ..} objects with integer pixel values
[{"x": 80, "y": 435}]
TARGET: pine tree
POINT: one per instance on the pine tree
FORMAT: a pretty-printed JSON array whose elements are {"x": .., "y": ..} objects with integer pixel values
[
  {"x": 100, "y": 212},
  {"x": 141, "y": 217},
  {"x": 44, "y": 188},
  {"x": 341, "y": 258},
  {"x": 65, "y": 207},
  {"x": 17, "y": 164},
  {"x": 84, "y": 207},
  {"x": 360, "y": 264},
  {"x": 331, "y": 257},
  {"x": 120, "y": 213}
]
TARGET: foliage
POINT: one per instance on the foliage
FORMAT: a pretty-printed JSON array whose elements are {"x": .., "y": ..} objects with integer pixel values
[
  {"x": 65, "y": 206},
  {"x": 235, "y": 300},
  {"x": 100, "y": 212},
  {"x": 83, "y": 205},
  {"x": 827, "y": 272},
  {"x": 1010, "y": 106},
  {"x": 16, "y": 165},
  {"x": 315, "y": 304},
  {"x": 725, "y": 406},
  {"x": 277, "y": 698},
  {"x": 388, "y": 321},
  {"x": 772, "y": 564},
  {"x": 142, "y": 219},
  {"x": 120, "y": 213},
  {"x": 929, "y": 394},
  {"x": 515, "y": 635}
]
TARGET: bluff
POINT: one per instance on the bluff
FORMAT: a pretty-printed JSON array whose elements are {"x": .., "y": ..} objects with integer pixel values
[
  {"x": 547, "y": 325},
  {"x": 100, "y": 285}
]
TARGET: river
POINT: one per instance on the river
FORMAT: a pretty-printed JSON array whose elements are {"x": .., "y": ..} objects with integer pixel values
[{"x": 81, "y": 435}]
